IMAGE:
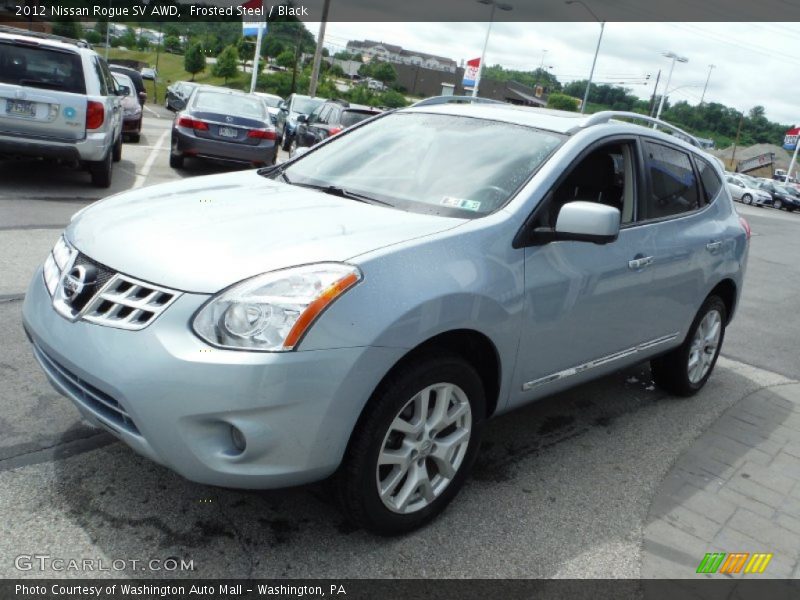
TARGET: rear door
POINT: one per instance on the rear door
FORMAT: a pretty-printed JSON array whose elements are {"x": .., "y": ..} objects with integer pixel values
[{"x": 42, "y": 92}]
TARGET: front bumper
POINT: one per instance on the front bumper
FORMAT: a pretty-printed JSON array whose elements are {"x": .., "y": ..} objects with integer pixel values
[
  {"x": 189, "y": 144},
  {"x": 296, "y": 410}
]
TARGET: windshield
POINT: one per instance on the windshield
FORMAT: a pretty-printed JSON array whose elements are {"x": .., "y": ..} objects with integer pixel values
[
  {"x": 232, "y": 104},
  {"x": 305, "y": 106},
  {"x": 271, "y": 101},
  {"x": 442, "y": 164}
]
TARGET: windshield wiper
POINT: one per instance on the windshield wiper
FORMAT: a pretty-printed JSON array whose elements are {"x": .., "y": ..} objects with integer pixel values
[{"x": 334, "y": 190}]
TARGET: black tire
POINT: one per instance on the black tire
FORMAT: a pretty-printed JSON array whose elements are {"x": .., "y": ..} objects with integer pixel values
[
  {"x": 100, "y": 171},
  {"x": 671, "y": 371},
  {"x": 285, "y": 141},
  {"x": 117, "y": 151},
  {"x": 777, "y": 204},
  {"x": 747, "y": 199},
  {"x": 176, "y": 160},
  {"x": 356, "y": 481},
  {"x": 134, "y": 137}
]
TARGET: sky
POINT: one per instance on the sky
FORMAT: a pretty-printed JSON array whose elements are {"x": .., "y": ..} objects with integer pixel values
[{"x": 753, "y": 61}]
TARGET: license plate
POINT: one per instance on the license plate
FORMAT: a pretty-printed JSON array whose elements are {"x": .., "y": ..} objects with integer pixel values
[
  {"x": 228, "y": 132},
  {"x": 20, "y": 108}
]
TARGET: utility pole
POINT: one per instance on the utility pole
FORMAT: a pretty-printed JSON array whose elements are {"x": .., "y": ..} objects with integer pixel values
[
  {"x": 653, "y": 99},
  {"x": 736, "y": 143},
  {"x": 256, "y": 56},
  {"x": 312, "y": 86},
  {"x": 296, "y": 58},
  {"x": 705, "y": 87}
]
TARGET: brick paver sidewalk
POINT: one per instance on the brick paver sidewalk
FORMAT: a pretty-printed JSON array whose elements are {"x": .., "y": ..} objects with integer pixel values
[{"x": 737, "y": 489}]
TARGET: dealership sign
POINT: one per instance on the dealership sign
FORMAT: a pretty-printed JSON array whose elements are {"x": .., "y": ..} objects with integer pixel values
[
  {"x": 471, "y": 72},
  {"x": 790, "y": 139}
]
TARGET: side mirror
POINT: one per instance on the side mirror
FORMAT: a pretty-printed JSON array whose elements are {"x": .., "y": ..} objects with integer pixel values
[
  {"x": 123, "y": 90},
  {"x": 302, "y": 118},
  {"x": 142, "y": 97},
  {"x": 581, "y": 221},
  {"x": 282, "y": 106}
]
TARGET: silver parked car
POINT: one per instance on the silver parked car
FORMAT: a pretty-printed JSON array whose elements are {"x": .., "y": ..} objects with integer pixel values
[
  {"x": 742, "y": 191},
  {"x": 58, "y": 100},
  {"x": 223, "y": 125},
  {"x": 362, "y": 310}
]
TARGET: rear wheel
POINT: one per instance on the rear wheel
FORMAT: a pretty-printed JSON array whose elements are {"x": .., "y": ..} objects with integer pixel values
[
  {"x": 747, "y": 199},
  {"x": 100, "y": 171},
  {"x": 175, "y": 157},
  {"x": 685, "y": 370},
  {"x": 117, "y": 152},
  {"x": 777, "y": 204},
  {"x": 414, "y": 445}
]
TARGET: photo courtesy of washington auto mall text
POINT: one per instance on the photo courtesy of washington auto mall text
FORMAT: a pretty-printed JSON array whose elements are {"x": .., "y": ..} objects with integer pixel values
[{"x": 403, "y": 300}]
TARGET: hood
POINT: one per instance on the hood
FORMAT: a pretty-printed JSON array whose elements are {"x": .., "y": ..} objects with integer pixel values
[{"x": 205, "y": 233}]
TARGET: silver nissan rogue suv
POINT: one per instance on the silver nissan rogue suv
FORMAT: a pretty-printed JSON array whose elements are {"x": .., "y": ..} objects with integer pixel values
[{"x": 362, "y": 310}]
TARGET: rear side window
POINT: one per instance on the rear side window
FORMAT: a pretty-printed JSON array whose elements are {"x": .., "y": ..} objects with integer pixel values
[
  {"x": 351, "y": 117},
  {"x": 673, "y": 186},
  {"x": 709, "y": 179},
  {"x": 36, "y": 66}
]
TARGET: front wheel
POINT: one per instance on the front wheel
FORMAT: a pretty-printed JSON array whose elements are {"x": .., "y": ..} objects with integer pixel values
[
  {"x": 685, "y": 370},
  {"x": 777, "y": 204},
  {"x": 285, "y": 141},
  {"x": 117, "y": 152},
  {"x": 747, "y": 199},
  {"x": 414, "y": 445}
]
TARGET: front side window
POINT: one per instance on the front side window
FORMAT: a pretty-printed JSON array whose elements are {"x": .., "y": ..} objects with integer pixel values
[
  {"x": 673, "y": 186},
  {"x": 429, "y": 163}
]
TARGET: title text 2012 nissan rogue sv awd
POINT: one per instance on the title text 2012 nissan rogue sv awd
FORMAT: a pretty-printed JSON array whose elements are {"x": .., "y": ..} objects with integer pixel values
[
  {"x": 58, "y": 100},
  {"x": 362, "y": 310}
]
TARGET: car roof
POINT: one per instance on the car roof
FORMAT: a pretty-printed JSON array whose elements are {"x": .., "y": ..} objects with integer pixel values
[{"x": 46, "y": 42}]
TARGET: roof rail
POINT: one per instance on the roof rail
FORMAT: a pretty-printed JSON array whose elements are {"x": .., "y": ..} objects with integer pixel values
[
  {"x": 45, "y": 36},
  {"x": 607, "y": 115}
]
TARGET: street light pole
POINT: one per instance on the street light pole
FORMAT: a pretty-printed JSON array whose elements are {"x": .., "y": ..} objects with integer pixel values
[
  {"x": 705, "y": 87},
  {"x": 675, "y": 58},
  {"x": 494, "y": 5},
  {"x": 596, "y": 51},
  {"x": 312, "y": 86}
]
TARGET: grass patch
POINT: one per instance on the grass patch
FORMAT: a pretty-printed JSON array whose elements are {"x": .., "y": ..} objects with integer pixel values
[{"x": 170, "y": 70}]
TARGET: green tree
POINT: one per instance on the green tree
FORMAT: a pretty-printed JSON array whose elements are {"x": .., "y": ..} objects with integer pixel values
[
  {"x": 562, "y": 102},
  {"x": 142, "y": 43},
  {"x": 67, "y": 28},
  {"x": 227, "y": 65},
  {"x": 392, "y": 99},
  {"x": 286, "y": 59},
  {"x": 344, "y": 55},
  {"x": 172, "y": 44},
  {"x": 194, "y": 61},
  {"x": 128, "y": 39},
  {"x": 384, "y": 72},
  {"x": 272, "y": 46},
  {"x": 94, "y": 37}
]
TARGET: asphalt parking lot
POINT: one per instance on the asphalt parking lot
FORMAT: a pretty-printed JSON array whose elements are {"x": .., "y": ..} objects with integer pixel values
[{"x": 561, "y": 489}]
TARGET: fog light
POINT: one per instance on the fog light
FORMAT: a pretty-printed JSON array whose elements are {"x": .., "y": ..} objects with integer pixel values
[{"x": 237, "y": 437}]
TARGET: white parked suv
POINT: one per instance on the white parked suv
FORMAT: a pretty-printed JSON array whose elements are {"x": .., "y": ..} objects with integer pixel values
[{"x": 58, "y": 100}]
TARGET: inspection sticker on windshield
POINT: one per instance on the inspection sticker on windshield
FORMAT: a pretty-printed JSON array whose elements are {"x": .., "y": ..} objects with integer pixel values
[{"x": 473, "y": 205}]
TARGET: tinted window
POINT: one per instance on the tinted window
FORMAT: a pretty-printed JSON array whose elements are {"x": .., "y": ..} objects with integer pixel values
[
  {"x": 42, "y": 68},
  {"x": 710, "y": 180},
  {"x": 673, "y": 187},
  {"x": 230, "y": 104},
  {"x": 351, "y": 117},
  {"x": 101, "y": 78}
]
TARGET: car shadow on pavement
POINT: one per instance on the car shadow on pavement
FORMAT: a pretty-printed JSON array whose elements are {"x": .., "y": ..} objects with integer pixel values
[{"x": 561, "y": 488}]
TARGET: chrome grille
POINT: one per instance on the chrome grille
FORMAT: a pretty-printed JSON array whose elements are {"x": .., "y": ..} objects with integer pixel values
[
  {"x": 97, "y": 402},
  {"x": 127, "y": 303}
]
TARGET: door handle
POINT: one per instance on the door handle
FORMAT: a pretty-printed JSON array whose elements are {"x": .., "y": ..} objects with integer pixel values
[
  {"x": 640, "y": 263},
  {"x": 713, "y": 246}
]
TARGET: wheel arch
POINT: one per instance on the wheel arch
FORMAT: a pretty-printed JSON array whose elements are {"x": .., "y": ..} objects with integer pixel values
[{"x": 727, "y": 291}]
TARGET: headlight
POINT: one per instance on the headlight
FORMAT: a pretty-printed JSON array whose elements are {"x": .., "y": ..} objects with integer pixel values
[
  {"x": 55, "y": 263},
  {"x": 272, "y": 312}
]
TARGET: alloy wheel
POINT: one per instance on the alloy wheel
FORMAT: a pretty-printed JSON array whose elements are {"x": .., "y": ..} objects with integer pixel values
[
  {"x": 704, "y": 346},
  {"x": 424, "y": 448}
]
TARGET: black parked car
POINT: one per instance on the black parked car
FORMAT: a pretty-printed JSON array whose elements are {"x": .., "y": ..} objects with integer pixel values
[
  {"x": 782, "y": 196},
  {"x": 178, "y": 95},
  {"x": 326, "y": 120}
]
